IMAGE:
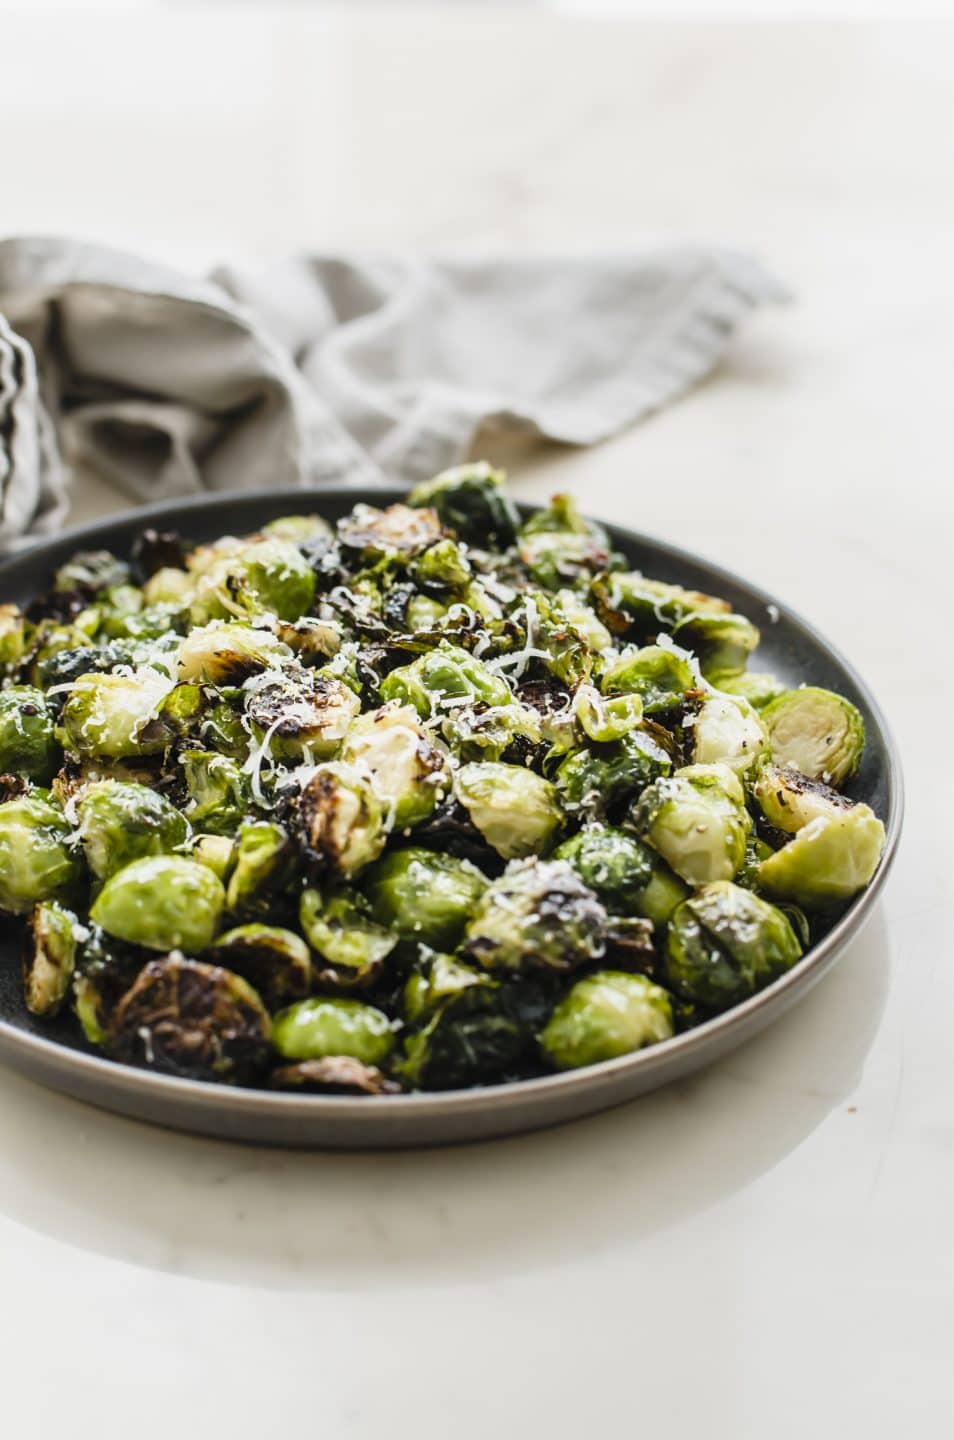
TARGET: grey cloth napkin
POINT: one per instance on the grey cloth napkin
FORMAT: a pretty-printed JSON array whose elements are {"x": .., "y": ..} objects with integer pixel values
[{"x": 324, "y": 368}]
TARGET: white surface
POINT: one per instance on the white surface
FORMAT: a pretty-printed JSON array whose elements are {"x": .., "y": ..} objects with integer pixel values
[{"x": 762, "y": 1253}]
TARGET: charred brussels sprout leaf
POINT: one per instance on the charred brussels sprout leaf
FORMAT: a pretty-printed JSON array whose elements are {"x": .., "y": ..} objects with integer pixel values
[
  {"x": 606, "y": 1015},
  {"x": 423, "y": 896},
  {"x": 627, "y": 875},
  {"x": 320, "y": 1027},
  {"x": 339, "y": 925},
  {"x": 398, "y": 530},
  {"x": 302, "y": 715},
  {"x": 50, "y": 958},
  {"x": 630, "y": 604},
  {"x": 218, "y": 790},
  {"x": 725, "y": 943},
  {"x": 445, "y": 673},
  {"x": 828, "y": 861},
  {"x": 274, "y": 960},
  {"x": 436, "y": 980},
  {"x": 517, "y": 812},
  {"x": 660, "y": 677},
  {"x": 163, "y": 902},
  {"x": 406, "y": 767},
  {"x": 697, "y": 820},
  {"x": 537, "y": 916},
  {"x": 817, "y": 732},
  {"x": 36, "y": 862},
  {"x": 119, "y": 823},
  {"x": 340, "y": 821},
  {"x": 789, "y": 800},
  {"x": 91, "y": 571},
  {"x": 471, "y": 501},
  {"x": 186, "y": 1018},
  {"x": 27, "y": 743}
]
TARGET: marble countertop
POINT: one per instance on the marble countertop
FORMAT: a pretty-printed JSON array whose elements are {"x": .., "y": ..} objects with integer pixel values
[{"x": 762, "y": 1251}]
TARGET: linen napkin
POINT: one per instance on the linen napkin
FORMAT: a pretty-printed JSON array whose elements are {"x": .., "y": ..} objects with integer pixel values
[{"x": 323, "y": 368}]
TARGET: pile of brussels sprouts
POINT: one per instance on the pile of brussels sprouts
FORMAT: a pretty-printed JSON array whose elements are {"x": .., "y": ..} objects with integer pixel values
[{"x": 429, "y": 799}]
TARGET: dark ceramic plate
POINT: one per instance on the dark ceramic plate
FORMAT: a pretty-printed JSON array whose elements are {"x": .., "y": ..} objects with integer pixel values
[{"x": 53, "y": 1055}]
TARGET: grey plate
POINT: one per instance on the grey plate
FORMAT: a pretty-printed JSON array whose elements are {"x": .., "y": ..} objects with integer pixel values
[{"x": 54, "y": 1056}]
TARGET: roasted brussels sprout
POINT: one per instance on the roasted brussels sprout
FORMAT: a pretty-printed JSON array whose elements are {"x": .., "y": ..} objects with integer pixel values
[
  {"x": 163, "y": 902},
  {"x": 219, "y": 791},
  {"x": 119, "y": 823},
  {"x": 605, "y": 720},
  {"x": 627, "y": 875},
  {"x": 301, "y": 715},
  {"x": 445, "y": 674},
  {"x": 27, "y": 743},
  {"x": 817, "y": 732},
  {"x": 724, "y": 944},
  {"x": 788, "y": 799},
  {"x": 755, "y": 686},
  {"x": 722, "y": 643},
  {"x": 517, "y": 812},
  {"x": 829, "y": 860},
  {"x": 114, "y": 717},
  {"x": 299, "y": 529},
  {"x": 91, "y": 571},
  {"x": 436, "y": 979},
  {"x": 726, "y": 729},
  {"x": 274, "y": 960},
  {"x": 659, "y": 676},
  {"x": 262, "y": 861},
  {"x": 697, "y": 821},
  {"x": 186, "y": 1018},
  {"x": 606, "y": 1015},
  {"x": 322, "y": 1026},
  {"x": 227, "y": 653},
  {"x": 406, "y": 767},
  {"x": 333, "y": 1075},
  {"x": 397, "y": 530},
  {"x": 594, "y": 780},
  {"x": 471, "y": 501},
  {"x": 13, "y": 635},
  {"x": 215, "y": 851},
  {"x": 50, "y": 957},
  {"x": 339, "y": 821},
  {"x": 105, "y": 969},
  {"x": 264, "y": 577},
  {"x": 36, "y": 862},
  {"x": 632, "y": 605},
  {"x": 537, "y": 916},
  {"x": 423, "y": 896},
  {"x": 340, "y": 926}
]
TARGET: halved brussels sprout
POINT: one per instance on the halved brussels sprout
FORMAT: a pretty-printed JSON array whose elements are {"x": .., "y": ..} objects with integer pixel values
[
  {"x": 660, "y": 677},
  {"x": 584, "y": 620},
  {"x": 758, "y": 687},
  {"x": 517, "y": 812},
  {"x": 50, "y": 958},
  {"x": 698, "y": 822},
  {"x": 829, "y": 860},
  {"x": 723, "y": 643},
  {"x": 105, "y": 969},
  {"x": 215, "y": 851},
  {"x": 537, "y": 916},
  {"x": 297, "y": 528},
  {"x": 339, "y": 925},
  {"x": 227, "y": 653},
  {"x": 442, "y": 676},
  {"x": 219, "y": 791},
  {"x": 435, "y": 980},
  {"x": 397, "y": 530},
  {"x": 629, "y": 603},
  {"x": 274, "y": 960},
  {"x": 163, "y": 902},
  {"x": 91, "y": 571},
  {"x": 311, "y": 639},
  {"x": 606, "y": 719},
  {"x": 340, "y": 821},
  {"x": 186, "y": 1018},
  {"x": 322, "y": 1026},
  {"x": 169, "y": 586},
  {"x": 35, "y": 860},
  {"x": 424, "y": 896},
  {"x": 627, "y": 875},
  {"x": 471, "y": 500},
  {"x": 27, "y": 743},
  {"x": 560, "y": 559},
  {"x": 725, "y": 943},
  {"x": 114, "y": 717},
  {"x": 269, "y": 576},
  {"x": 816, "y": 731},
  {"x": 406, "y": 767},
  {"x": 119, "y": 823},
  {"x": 468, "y": 1040},
  {"x": 790, "y": 800},
  {"x": 262, "y": 862},
  {"x": 606, "y": 1015},
  {"x": 490, "y": 733},
  {"x": 303, "y": 715},
  {"x": 13, "y": 635},
  {"x": 593, "y": 781},
  {"x": 726, "y": 729},
  {"x": 442, "y": 566},
  {"x": 333, "y": 1075}
]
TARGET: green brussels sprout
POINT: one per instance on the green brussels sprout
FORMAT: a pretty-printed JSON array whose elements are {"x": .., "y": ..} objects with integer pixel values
[
  {"x": 301, "y": 715},
  {"x": 27, "y": 743},
  {"x": 829, "y": 860},
  {"x": 339, "y": 925},
  {"x": 538, "y": 915},
  {"x": 149, "y": 622},
  {"x": 186, "y": 1018},
  {"x": 119, "y": 823},
  {"x": 339, "y": 821},
  {"x": 605, "y": 720},
  {"x": 36, "y": 863},
  {"x": 221, "y": 727},
  {"x": 562, "y": 516},
  {"x": 560, "y": 559},
  {"x": 262, "y": 862},
  {"x": 50, "y": 958},
  {"x": 219, "y": 791},
  {"x": 321, "y": 1027},
  {"x": 274, "y": 960},
  {"x": 517, "y": 812},
  {"x": 604, "y": 1016},
  {"x": 632, "y": 605},
  {"x": 471, "y": 500},
  {"x": 697, "y": 820},
  {"x": 789, "y": 800},
  {"x": 116, "y": 607},
  {"x": 397, "y": 530},
  {"x": 423, "y": 613},
  {"x": 269, "y": 576},
  {"x": 470, "y": 1042},
  {"x": 756, "y": 850},
  {"x": 758, "y": 687},
  {"x": 726, "y": 729},
  {"x": 309, "y": 638},
  {"x": 723, "y": 643},
  {"x": 13, "y": 635},
  {"x": 105, "y": 969},
  {"x": 489, "y": 733},
  {"x": 91, "y": 570},
  {"x": 423, "y": 896},
  {"x": 169, "y": 586},
  {"x": 725, "y": 943},
  {"x": 659, "y": 676},
  {"x": 298, "y": 529},
  {"x": 227, "y": 653},
  {"x": 593, "y": 781},
  {"x": 406, "y": 767},
  {"x": 817, "y": 732},
  {"x": 584, "y": 620},
  {"x": 114, "y": 717},
  {"x": 215, "y": 851},
  {"x": 445, "y": 673},
  {"x": 627, "y": 875},
  {"x": 163, "y": 902},
  {"x": 443, "y": 566},
  {"x": 434, "y": 981}
]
